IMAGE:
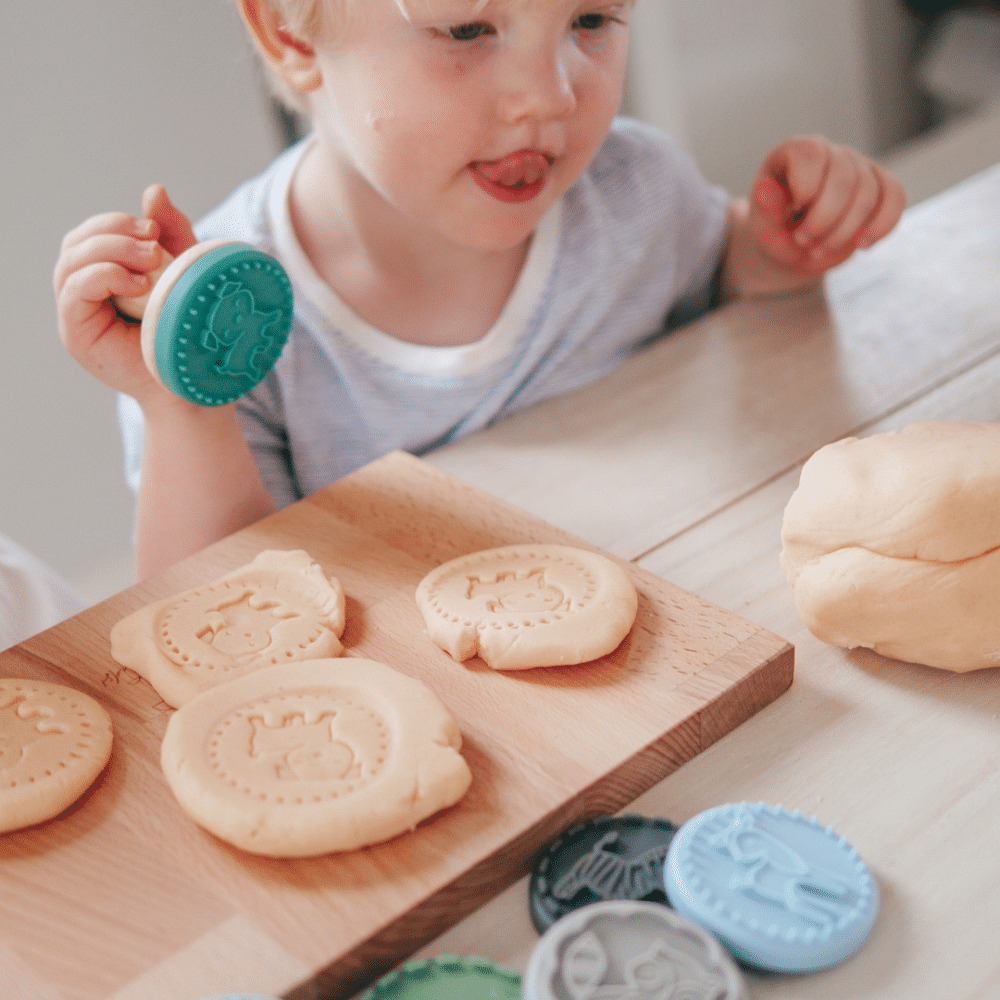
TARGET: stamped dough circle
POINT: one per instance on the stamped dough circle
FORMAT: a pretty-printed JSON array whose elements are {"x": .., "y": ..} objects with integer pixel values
[
  {"x": 279, "y": 608},
  {"x": 314, "y": 757},
  {"x": 54, "y": 742},
  {"x": 527, "y": 606}
]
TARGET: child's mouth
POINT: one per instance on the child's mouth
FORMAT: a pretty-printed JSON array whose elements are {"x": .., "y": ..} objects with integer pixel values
[{"x": 517, "y": 177}]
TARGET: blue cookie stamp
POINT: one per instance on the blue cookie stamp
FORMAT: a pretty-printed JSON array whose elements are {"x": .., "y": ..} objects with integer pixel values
[
  {"x": 216, "y": 321},
  {"x": 781, "y": 891}
]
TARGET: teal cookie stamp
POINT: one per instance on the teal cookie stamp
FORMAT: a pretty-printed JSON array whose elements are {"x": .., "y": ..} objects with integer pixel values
[
  {"x": 781, "y": 891},
  {"x": 216, "y": 321}
]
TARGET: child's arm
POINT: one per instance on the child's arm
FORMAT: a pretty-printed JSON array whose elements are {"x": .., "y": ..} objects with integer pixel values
[
  {"x": 812, "y": 205},
  {"x": 199, "y": 481}
]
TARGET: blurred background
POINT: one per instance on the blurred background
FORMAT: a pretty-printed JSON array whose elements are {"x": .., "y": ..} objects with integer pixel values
[{"x": 101, "y": 97}]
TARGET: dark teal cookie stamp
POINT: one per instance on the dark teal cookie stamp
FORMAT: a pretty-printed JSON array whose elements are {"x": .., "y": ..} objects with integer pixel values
[{"x": 223, "y": 325}]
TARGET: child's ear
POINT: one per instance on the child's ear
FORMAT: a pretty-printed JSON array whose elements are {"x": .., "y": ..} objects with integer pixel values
[{"x": 291, "y": 58}]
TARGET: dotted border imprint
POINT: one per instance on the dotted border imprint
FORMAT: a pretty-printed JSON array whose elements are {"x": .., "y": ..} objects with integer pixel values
[
  {"x": 178, "y": 650},
  {"x": 197, "y": 308},
  {"x": 494, "y": 558}
]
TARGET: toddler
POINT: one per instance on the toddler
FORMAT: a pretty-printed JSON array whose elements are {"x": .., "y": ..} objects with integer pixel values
[{"x": 469, "y": 229}]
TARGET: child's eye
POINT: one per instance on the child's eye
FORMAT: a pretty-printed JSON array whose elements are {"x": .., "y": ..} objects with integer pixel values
[
  {"x": 595, "y": 22},
  {"x": 468, "y": 32}
]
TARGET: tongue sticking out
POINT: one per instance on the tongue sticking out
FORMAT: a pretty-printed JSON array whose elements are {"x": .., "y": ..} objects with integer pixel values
[{"x": 518, "y": 170}]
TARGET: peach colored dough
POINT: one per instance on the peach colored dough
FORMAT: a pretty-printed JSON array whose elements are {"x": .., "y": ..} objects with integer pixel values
[
  {"x": 525, "y": 606},
  {"x": 892, "y": 542},
  {"x": 280, "y": 608},
  {"x": 314, "y": 757},
  {"x": 54, "y": 742}
]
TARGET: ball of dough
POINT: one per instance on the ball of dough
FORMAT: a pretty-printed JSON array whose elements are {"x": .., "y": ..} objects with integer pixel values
[{"x": 892, "y": 542}]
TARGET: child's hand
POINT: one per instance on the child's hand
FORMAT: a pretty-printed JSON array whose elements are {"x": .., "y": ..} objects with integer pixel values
[
  {"x": 814, "y": 203},
  {"x": 111, "y": 255}
]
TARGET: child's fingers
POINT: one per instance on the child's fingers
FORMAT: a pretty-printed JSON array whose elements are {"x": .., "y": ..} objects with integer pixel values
[
  {"x": 887, "y": 212},
  {"x": 176, "y": 234},
  {"x": 84, "y": 309},
  {"x": 846, "y": 179},
  {"x": 855, "y": 206},
  {"x": 770, "y": 194},
  {"x": 94, "y": 334},
  {"x": 110, "y": 222},
  {"x": 106, "y": 247},
  {"x": 800, "y": 166}
]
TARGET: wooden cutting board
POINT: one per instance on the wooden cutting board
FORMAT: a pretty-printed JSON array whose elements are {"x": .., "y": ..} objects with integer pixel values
[{"x": 125, "y": 897}]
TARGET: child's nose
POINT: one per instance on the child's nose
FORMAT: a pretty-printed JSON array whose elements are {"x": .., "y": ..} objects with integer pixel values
[{"x": 538, "y": 85}]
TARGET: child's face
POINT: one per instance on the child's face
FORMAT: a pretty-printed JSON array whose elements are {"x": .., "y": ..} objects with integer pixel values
[{"x": 470, "y": 118}]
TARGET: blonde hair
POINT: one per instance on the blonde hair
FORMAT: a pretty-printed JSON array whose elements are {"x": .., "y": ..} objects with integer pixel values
[
  {"x": 307, "y": 19},
  {"x": 304, "y": 18}
]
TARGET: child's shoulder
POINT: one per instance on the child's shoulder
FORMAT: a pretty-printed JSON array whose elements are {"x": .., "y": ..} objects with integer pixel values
[
  {"x": 634, "y": 144},
  {"x": 245, "y": 213},
  {"x": 638, "y": 163}
]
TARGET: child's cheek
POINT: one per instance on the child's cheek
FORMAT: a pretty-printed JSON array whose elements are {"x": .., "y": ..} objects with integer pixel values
[{"x": 380, "y": 114}]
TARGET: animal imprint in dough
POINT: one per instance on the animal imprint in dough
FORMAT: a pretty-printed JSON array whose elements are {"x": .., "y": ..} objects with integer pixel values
[
  {"x": 54, "y": 742},
  {"x": 528, "y": 606},
  {"x": 280, "y": 608},
  {"x": 319, "y": 756}
]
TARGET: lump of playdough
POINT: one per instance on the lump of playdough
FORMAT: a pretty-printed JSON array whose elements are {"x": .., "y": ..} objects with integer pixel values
[
  {"x": 54, "y": 742},
  {"x": 320, "y": 756},
  {"x": 892, "y": 542},
  {"x": 280, "y": 608},
  {"x": 528, "y": 606}
]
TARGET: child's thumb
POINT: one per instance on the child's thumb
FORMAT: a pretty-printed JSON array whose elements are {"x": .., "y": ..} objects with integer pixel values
[
  {"x": 770, "y": 194},
  {"x": 176, "y": 234},
  {"x": 776, "y": 201}
]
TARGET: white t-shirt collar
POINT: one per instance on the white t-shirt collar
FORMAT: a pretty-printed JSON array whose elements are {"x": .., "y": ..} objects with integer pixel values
[{"x": 419, "y": 359}]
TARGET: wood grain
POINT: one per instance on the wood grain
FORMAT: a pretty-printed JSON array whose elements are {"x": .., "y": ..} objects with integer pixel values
[
  {"x": 124, "y": 896},
  {"x": 899, "y": 758},
  {"x": 707, "y": 414}
]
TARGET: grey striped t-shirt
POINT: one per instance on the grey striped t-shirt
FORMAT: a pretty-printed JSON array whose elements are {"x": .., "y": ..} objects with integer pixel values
[{"x": 631, "y": 250}]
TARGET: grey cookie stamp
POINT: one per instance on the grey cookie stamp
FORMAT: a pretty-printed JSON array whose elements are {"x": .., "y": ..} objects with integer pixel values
[{"x": 630, "y": 950}]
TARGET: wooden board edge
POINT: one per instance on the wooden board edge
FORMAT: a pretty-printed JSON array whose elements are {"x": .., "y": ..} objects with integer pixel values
[{"x": 773, "y": 675}]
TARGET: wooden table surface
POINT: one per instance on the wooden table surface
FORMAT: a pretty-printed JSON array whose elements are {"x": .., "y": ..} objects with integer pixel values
[{"x": 681, "y": 463}]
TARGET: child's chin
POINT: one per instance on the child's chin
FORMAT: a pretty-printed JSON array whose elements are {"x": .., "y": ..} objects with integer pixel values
[{"x": 507, "y": 227}]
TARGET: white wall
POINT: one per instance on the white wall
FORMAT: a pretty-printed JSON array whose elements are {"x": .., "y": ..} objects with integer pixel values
[
  {"x": 730, "y": 79},
  {"x": 99, "y": 98}
]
